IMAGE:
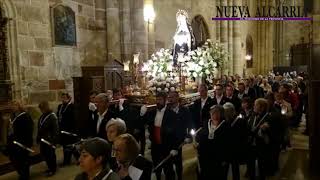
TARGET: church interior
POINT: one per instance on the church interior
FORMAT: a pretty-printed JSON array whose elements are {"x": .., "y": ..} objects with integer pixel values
[{"x": 51, "y": 50}]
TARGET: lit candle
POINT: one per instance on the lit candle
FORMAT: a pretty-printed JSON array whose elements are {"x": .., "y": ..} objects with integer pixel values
[
  {"x": 136, "y": 58},
  {"x": 193, "y": 135},
  {"x": 126, "y": 66}
]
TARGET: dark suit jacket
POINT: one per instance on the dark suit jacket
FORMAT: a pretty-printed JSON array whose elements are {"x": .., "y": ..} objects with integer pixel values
[
  {"x": 239, "y": 139},
  {"x": 254, "y": 137},
  {"x": 120, "y": 114},
  {"x": 235, "y": 101},
  {"x": 102, "y": 129},
  {"x": 144, "y": 165},
  {"x": 258, "y": 91},
  {"x": 251, "y": 93},
  {"x": 183, "y": 123},
  {"x": 100, "y": 176},
  {"x": 213, "y": 153},
  {"x": 222, "y": 102},
  {"x": 48, "y": 128},
  {"x": 168, "y": 132},
  {"x": 200, "y": 116},
  {"x": 22, "y": 130},
  {"x": 66, "y": 119}
]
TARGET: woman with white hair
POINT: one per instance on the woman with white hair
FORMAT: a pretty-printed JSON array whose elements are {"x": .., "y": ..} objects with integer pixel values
[
  {"x": 114, "y": 128},
  {"x": 238, "y": 137}
]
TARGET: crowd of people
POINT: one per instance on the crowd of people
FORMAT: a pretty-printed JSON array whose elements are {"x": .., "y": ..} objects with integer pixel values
[{"x": 234, "y": 122}]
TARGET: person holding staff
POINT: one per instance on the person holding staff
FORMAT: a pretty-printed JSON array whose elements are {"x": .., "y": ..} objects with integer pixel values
[
  {"x": 48, "y": 132},
  {"x": 20, "y": 140}
]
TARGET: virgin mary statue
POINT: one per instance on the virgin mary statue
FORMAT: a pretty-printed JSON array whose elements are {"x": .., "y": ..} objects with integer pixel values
[{"x": 184, "y": 40}]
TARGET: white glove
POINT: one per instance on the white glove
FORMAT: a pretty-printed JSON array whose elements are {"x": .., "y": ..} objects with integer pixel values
[
  {"x": 92, "y": 106},
  {"x": 121, "y": 104},
  {"x": 187, "y": 140},
  {"x": 173, "y": 152},
  {"x": 121, "y": 101},
  {"x": 143, "y": 110}
]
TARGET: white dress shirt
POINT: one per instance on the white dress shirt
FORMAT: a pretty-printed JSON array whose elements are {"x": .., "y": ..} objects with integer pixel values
[
  {"x": 219, "y": 98},
  {"x": 159, "y": 117},
  {"x": 100, "y": 118},
  {"x": 203, "y": 102}
]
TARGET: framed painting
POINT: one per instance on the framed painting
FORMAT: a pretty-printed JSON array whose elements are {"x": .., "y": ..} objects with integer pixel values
[{"x": 63, "y": 26}]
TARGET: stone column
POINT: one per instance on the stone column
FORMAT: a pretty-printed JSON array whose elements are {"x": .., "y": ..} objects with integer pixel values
[
  {"x": 140, "y": 37},
  {"x": 150, "y": 32},
  {"x": 237, "y": 57},
  {"x": 113, "y": 29},
  {"x": 126, "y": 30},
  {"x": 218, "y": 24},
  {"x": 224, "y": 34},
  {"x": 230, "y": 44}
]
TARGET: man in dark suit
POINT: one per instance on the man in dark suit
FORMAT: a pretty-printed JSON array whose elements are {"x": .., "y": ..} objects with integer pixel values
[
  {"x": 163, "y": 135},
  {"x": 92, "y": 111},
  {"x": 67, "y": 124},
  {"x": 249, "y": 90},
  {"x": 183, "y": 126},
  {"x": 119, "y": 107},
  {"x": 21, "y": 131},
  {"x": 241, "y": 91},
  {"x": 232, "y": 98},
  {"x": 48, "y": 132},
  {"x": 103, "y": 115},
  {"x": 259, "y": 139},
  {"x": 219, "y": 98},
  {"x": 200, "y": 108}
]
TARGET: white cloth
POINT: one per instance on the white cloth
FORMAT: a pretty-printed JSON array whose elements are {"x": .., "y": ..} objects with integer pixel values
[
  {"x": 134, "y": 172},
  {"x": 173, "y": 152},
  {"x": 159, "y": 117},
  {"x": 121, "y": 101},
  {"x": 213, "y": 128},
  {"x": 219, "y": 98},
  {"x": 143, "y": 110},
  {"x": 203, "y": 102},
  {"x": 100, "y": 118},
  {"x": 92, "y": 106},
  {"x": 240, "y": 96},
  {"x": 176, "y": 109}
]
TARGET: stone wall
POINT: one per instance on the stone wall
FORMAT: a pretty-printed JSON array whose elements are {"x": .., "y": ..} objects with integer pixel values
[{"x": 46, "y": 69}]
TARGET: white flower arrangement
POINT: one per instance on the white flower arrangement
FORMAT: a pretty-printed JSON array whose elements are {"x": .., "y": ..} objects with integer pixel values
[
  {"x": 161, "y": 74},
  {"x": 205, "y": 60}
]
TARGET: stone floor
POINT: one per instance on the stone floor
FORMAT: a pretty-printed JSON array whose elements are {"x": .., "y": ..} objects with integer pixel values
[{"x": 293, "y": 164}]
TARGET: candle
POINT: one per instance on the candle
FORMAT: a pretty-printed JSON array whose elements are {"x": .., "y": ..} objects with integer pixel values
[{"x": 136, "y": 58}]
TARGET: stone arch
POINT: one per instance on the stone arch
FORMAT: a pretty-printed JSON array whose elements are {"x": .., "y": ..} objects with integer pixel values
[
  {"x": 200, "y": 30},
  {"x": 9, "y": 11},
  {"x": 249, "y": 51}
]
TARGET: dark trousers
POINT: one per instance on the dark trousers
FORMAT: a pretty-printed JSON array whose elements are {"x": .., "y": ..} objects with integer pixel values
[
  {"x": 68, "y": 149},
  {"x": 67, "y": 154},
  {"x": 49, "y": 156},
  {"x": 256, "y": 154},
  {"x": 177, "y": 161},
  {"x": 235, "y": 170},
  {"x": 20, "y": 160},
  {"x": 158, "y": 153},
  {"x": 141, "y": 139}
]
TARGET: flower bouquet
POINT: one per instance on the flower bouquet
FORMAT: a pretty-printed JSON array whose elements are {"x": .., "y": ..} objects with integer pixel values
[
  {"x": 161, "y": 75},
  {"x": 205, "y": 60}
]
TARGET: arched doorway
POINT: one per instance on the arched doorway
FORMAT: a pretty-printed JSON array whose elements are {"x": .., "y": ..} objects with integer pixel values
[
  {"x": 249, "y": 52},
  {"x": 200, "y": 30}
]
